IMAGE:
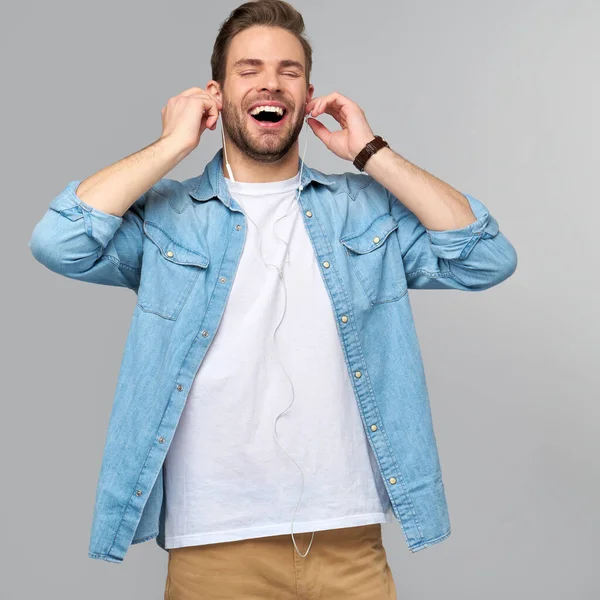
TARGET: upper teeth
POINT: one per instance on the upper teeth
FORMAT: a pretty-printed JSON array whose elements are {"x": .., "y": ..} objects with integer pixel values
[{"x": 258, "y": 109}]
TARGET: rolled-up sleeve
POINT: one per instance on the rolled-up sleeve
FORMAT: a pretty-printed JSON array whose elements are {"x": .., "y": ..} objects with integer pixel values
[
  {"x": 472, "y": 258},
  {"x": 81, "y": 242}
]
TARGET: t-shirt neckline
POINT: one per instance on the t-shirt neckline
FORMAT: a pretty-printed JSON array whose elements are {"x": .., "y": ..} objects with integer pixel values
[{"x": 264, "y": 187}]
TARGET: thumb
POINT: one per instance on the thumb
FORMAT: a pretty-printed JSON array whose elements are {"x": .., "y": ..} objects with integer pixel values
[{"x": 319, "y": 130}]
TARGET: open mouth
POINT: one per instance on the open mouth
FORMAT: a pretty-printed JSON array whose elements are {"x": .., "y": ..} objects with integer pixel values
[{"x": 269, "y": 118}]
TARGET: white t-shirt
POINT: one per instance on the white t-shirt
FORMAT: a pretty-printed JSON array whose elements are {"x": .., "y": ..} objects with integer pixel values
[{"x": 226, "y": 478}]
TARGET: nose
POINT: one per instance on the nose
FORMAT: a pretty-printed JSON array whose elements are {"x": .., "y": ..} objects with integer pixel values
[
  {"x": 269, "y": 81},
  {"x": 272, "y": 88}
]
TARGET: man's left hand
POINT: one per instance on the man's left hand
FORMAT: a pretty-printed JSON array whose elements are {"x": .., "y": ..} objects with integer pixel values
[{"x": 355, "y": 133}]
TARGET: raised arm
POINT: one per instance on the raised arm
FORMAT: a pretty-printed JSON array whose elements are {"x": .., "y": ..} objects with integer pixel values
[{"x": 92, "y": 230}]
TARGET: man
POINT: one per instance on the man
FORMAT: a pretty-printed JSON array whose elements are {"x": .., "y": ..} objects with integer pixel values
[{"x": 216, "y": 262}]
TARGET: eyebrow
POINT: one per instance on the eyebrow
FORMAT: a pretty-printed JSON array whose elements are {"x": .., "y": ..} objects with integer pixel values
[{"x": 257, "y": 62}]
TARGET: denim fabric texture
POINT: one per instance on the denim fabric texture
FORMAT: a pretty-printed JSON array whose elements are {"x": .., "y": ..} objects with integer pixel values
[{"x": 178, "y": 248}]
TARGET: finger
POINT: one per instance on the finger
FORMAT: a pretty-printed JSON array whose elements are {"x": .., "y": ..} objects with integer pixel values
[
  {"x": 320, "y": 130},
  {"x": 311, "y": 105},
  {"x": 213, "y": 115},
  {"x": 193, "y": 91},
  {"x": 324, "y": 108},
  {"x": 215, "y": 109},
  {"x": 340, "y": 109},
  {"x": 334, "y": 103},
  {"x": 318, "y": 105},
  {"x": 216, "y": 99}
]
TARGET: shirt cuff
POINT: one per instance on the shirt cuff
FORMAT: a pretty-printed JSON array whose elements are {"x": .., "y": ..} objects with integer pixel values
[
  {"x": 99, "y": 225},
  {"x": 453, "y": 244}
]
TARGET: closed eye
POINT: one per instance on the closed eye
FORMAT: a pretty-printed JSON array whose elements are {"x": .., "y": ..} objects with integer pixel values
[{"x": 252, "y": 73}]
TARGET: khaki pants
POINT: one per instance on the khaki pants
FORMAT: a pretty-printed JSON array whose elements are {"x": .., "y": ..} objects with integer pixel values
[{"x": 342, "y": 564}]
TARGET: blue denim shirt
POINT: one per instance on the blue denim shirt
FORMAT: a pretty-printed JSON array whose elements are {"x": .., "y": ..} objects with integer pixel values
[{"x": 178, "y": 248}]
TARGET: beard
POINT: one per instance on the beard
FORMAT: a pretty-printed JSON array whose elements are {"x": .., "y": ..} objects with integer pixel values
[{"x": 266, "y": 146}]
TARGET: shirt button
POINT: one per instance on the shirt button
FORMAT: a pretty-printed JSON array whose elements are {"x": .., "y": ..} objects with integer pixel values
[
  {"x": 344, "y": 319},
  {"x": 375, "y": 239},
  {"x": 205, "y": 333},
  {"x": 326, "y": 265},
  {"x": 222, "y": 279},
  {"x": 392, "y": 480},
  {"x": 358, "y": 374},
  {"x": 161, "y": 439},
  {"x": 138, "y": 493},
  {"x": 308, "y": 213},
  {"x": 373, "y": 427},
  {"x": 169, "y": 253},
  {"x": 179, "y": 387},
  {"x": 238, "y": 227}
]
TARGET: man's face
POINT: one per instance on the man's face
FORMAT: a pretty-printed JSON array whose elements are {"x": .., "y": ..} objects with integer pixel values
[{"x": 248, "y": 84}]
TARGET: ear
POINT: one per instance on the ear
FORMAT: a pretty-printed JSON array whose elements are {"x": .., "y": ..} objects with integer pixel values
[
  {"x": 310, "y": 92},
  {"x": 213, "y": 87}
]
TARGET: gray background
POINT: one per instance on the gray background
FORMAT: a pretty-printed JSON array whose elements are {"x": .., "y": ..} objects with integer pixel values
[{"x": 499, "y": 99}]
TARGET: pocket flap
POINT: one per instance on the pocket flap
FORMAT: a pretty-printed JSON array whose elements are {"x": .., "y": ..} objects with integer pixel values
[
  {"x": 172, "y": 250},
  {"x": 372, "y": 237}
]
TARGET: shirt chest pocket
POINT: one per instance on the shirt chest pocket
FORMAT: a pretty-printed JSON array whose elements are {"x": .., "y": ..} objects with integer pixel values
[
  {"x": 376, "y": 259},
  {"x": 170, "y": 270}
]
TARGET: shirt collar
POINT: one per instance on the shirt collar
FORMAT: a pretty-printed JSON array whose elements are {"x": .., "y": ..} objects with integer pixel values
[{"x": 211, "y": 182}]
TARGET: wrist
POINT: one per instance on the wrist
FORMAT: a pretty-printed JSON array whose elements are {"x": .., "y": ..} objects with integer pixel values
[
  {"x": 363, "y": 141},
  {"x": 174, "y": 146},
  {"x": 371, "y": 147},
  {"x": 377, "y": 162}
]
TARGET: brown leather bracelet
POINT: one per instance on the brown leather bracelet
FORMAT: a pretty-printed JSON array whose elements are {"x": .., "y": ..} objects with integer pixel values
[{"x": 363, "y": 156}]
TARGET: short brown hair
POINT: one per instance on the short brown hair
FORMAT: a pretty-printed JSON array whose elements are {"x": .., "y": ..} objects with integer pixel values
[{"x": 271, "y": 13}]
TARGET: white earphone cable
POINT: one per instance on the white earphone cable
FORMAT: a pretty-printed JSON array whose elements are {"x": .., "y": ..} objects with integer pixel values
[{"x": 280, "y": 271}]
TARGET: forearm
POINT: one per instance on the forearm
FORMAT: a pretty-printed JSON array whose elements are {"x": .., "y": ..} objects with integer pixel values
[
  {"x": 116, "y": 187},
  {"x": 437, "y": 205}
]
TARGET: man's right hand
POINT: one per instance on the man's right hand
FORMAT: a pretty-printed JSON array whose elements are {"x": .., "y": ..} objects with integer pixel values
[
  {"x": 116, "y": 187},
  {"x": 187, "y": 115}
]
